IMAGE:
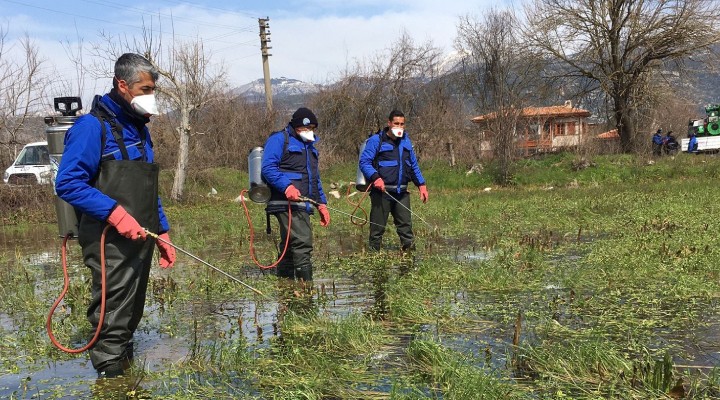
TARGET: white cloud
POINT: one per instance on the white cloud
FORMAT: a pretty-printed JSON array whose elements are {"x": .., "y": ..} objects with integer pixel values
[{"x": 314, "y": 40}]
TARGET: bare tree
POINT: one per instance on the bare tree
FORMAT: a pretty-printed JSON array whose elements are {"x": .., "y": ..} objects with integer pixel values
[
  {"x": 501, "y": 75},
  {"x": 189, "y": 82},
  {"x": 192, "y": 86},
  {"x": 22, "y": 86},
  {"x": 617, "y": 44},
  {"x": 360, "y": 102}
]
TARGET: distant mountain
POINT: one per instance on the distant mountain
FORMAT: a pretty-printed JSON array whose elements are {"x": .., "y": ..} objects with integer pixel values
[
  {"x": 282, "y": 88},
  {"x": 699, "y": 83},
  {"x": 451, "y": 62}
]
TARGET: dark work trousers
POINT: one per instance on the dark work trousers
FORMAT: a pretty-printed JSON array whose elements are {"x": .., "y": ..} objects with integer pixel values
[
  {"x": 133, "y": 184},
  {"x": 383, "y": 205},
  {"x": 657, "y": 149},
  {"x": 297, "y": 262}
]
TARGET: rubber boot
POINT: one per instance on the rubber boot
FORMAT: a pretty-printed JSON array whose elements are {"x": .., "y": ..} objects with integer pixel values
[
  {"x": 128, "y": 357},
  {"x": 409, "y": 246},
  {"x": 111, "y": 371},
  {"x": 304, "y": 273}
]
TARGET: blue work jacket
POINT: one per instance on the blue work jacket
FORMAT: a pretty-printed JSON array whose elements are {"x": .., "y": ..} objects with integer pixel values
[
  {"x": 293, "y": 163},
  {"x": 81, "y": 158},
  {"x": 393, "y": 160}
]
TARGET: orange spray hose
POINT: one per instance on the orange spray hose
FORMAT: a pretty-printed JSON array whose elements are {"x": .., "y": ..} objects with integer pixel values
[
  {"x": 358, "y": 207},
  {"x": 103, "y": 293},
  {"x": 252, "y": 234}
]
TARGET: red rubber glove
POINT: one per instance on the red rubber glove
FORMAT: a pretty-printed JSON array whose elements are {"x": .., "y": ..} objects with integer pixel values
[
  {"x": 292, "y": 193},
  {"x": 423, "y": 193},
  {"x": 125, "y": 224},
  {"x": 324, "y": 215},
  {"x": 379, "y": 184},
  {"x": 167, "y": 252}
]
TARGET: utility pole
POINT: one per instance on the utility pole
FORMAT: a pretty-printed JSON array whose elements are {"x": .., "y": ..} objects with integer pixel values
[{"x": 264, "y": 40}]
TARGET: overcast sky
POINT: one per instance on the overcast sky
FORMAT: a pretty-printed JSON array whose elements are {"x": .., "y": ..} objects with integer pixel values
[{"x": 312, "y": 40}]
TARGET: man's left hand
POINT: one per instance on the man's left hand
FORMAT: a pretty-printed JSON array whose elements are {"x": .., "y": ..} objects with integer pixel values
[
  {"x": 324, "y": 215},
  {"x": 167, "y": 252},
  {"x": 423, "y": 193}
]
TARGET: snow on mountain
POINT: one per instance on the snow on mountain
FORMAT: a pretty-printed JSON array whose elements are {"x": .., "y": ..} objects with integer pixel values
[
  {"x": 281, "y": 87},
  {"x": 450, "y": 62},
  {"x": 284, "y": 87}
]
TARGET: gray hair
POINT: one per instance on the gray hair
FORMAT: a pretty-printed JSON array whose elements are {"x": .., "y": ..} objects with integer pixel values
[{"x": 129, "y": 66}]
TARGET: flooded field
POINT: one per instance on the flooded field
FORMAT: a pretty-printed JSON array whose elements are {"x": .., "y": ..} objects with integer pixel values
[
  {"x": 176, "y": 332},
  {"x": 598, "y": 297}
]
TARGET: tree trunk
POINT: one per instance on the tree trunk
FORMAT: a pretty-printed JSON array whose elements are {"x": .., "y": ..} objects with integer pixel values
[
  {"x": 182, "y": 160},
  {"x": 451, "y": 153},
  {"x": 623, "y": 122}
]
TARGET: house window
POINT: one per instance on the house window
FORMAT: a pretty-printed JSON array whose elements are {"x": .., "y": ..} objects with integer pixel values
[
  {"x": 560, "y": 129},
  {"x": 532, "y": 131},
  {"x": 570, "y": 128}
]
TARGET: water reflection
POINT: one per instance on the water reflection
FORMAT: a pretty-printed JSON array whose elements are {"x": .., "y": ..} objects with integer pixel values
[{"x": 121, "y": 388}]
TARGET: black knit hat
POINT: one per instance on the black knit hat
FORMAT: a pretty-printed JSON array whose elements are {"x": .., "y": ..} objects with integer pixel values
[{"x": 303, "y": 117}]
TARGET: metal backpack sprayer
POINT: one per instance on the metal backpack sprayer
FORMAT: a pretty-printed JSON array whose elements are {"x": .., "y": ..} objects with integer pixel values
[
  {"x": 360, "y": 182},
  {"x": 67, "y": 217},
  {"x": 259, "y": 192},
  {"x": 55, "y": 133}
]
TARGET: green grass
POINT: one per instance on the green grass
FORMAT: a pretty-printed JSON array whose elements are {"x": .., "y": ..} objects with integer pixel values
[{"x": 611, "y": 268}]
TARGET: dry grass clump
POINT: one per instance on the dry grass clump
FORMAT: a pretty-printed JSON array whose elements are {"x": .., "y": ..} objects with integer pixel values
[{"x": 27, "y": 204}]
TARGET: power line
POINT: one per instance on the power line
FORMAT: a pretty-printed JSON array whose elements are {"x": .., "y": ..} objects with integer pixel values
[
  {"x": 170, "y": 16},
  {"x": 70, "y": 14},
  {"x": 103, "y": 20},
  {"x": 246, "y": 14}
]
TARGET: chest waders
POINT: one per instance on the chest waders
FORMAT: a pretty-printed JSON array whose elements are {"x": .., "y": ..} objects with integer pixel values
[
  {"x": 134, "y": 185},
  {"x": 296, "y": 241}
]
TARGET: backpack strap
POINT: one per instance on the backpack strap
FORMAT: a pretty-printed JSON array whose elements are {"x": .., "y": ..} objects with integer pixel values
[
  {"x": 380, "y": 142},
  {"x": 287, "y": 141},
  {"x": 103, "y": 116}
]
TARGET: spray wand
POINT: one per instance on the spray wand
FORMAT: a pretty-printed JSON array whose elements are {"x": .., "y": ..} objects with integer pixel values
[
  {"x": 316, "y": 204},
  {"x": 196, "y": 258}
]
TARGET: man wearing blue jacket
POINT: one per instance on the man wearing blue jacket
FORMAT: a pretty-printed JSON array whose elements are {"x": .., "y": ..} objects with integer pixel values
[
  {"x": 657, "y": 143},
  {"x": 692, "y": 143},
  {"x": 107, "y": 173},
  {"x": 290, "y": 167},
  {"x": 389, "y": 164}
]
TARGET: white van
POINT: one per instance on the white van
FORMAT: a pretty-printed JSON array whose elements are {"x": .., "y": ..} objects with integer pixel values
[{"x": 32, "y": 166}]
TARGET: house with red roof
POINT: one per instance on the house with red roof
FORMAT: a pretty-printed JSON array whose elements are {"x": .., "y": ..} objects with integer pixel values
[{"x": 541, "y": 129}]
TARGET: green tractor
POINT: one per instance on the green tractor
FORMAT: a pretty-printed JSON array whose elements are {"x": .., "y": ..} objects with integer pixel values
[{"x": 712, "y": 127}]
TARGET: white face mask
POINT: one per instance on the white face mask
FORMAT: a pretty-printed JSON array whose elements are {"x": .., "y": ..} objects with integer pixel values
[
  {"x": 308, "y": 136},
  {"x": 145, "y": 105},
  {"x": 397, "y": 132}
]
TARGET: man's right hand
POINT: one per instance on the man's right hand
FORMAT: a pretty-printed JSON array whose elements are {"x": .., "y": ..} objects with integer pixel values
[
  {"x": 125, "y": 224},
  {"x": 379, "y": 184},
  {"x": 292, "y": 193}
]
